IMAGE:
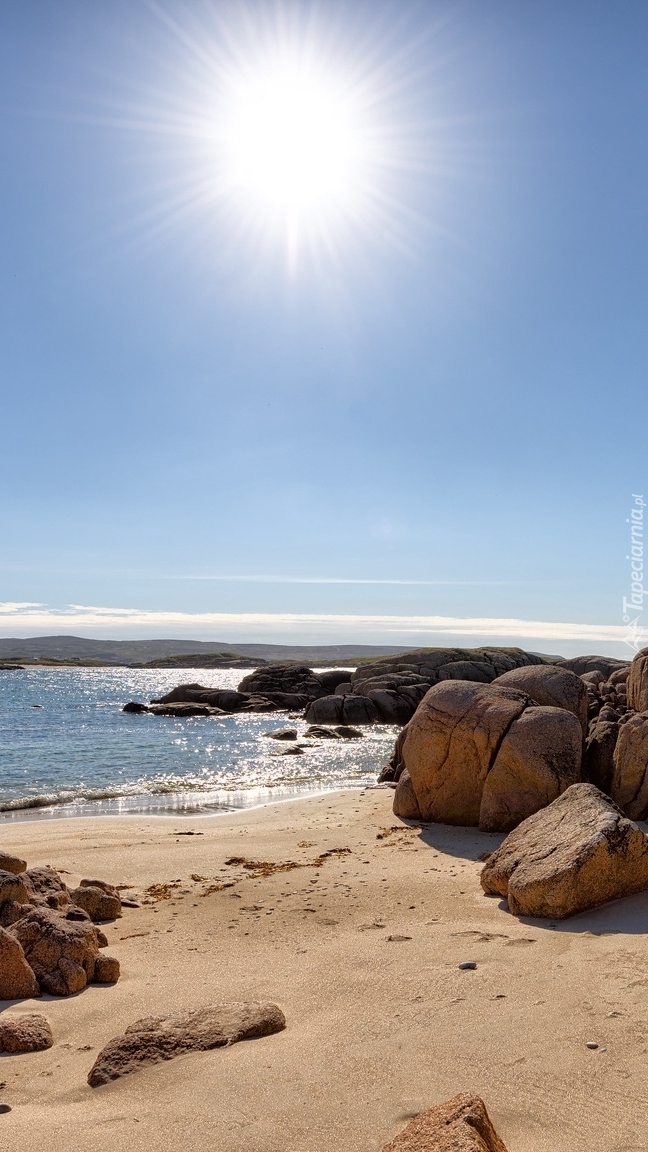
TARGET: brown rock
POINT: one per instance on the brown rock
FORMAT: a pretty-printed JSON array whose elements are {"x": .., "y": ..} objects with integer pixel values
[
  {"x": 17, "y": 979},
  {"x": 460, "y": 1125},
  {"x": 637, "y": 682},
  {"x": 630, "y": 775},
  {"x": 99, "y": 904},
  {"x": 405, "y": 803},
  {"x": 9, "y": 863},
  {"x": 158, "y": 1038},
  {"x": 452, "y": 741},
  {"x": 540, "y": 756},
  {"x": 598, "y": 758},
  {"x": 578, "y": 853},
  {"x": 551, "y": 686},
  {"x": 29, "y": 1033},
  {"x": 61, "y": 952},
  {"x": 106, "y": 970}
]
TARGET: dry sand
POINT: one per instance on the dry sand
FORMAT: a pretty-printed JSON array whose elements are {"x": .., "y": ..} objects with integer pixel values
[{"x": 361, "y": 954}]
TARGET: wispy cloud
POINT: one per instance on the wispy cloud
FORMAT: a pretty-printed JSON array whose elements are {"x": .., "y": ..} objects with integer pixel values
[
  {"x": 35, "y": 619},
  {"x": 337, "y": 580}
]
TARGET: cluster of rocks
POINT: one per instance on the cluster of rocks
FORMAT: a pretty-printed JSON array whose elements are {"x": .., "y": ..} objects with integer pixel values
[
  {"x": 273, "y": 688},
  {"x": 388, "y": 691},
  {"x": 385, "y": 691},
  {"x": 49, "y": 941},
  {"x": 493, "y": 754}
]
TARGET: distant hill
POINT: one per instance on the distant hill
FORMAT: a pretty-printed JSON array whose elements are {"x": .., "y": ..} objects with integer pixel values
[{"x": 81, "y": 650}]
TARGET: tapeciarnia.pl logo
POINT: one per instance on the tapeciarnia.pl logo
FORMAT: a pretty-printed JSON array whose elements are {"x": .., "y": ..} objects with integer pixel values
[{"x": 636, "y": 602}]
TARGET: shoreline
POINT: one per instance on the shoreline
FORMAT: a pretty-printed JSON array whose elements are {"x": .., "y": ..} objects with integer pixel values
[
  {"x": 354, "y": 923},
  {"x": 53, "y": 813}
]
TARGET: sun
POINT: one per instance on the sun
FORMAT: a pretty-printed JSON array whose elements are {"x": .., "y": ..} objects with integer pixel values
[{"x": 293, "y": 143}]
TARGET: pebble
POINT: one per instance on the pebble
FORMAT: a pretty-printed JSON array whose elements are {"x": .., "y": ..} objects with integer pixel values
[
  {"x": 467, "y": 964},
  {"x": 5, "y": 1107},
  {"x": 591, "y": 1044}
]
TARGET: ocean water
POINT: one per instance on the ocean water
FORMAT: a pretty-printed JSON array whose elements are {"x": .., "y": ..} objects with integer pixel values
[{"x": 67, "y": 749}]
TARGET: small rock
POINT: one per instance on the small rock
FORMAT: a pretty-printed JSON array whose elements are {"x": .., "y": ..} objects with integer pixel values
[
  {"x": 30, "y": 1033},
  {"x": 466, "y": 964},
  {"x": 5, "y": 1108},
  {"x": 283, "y": 734},
  {"x": 158, "y": 1038},
  {"x": 460, "y": 1125},
  {"x": 591, "y": 1044}
]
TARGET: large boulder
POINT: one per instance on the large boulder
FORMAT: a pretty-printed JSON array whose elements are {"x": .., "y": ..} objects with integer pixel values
[
  {"x": 17, "y": 979},
  {"x": 156, "y": 1038},
  {"x": 451, "y": 744},
  {"x": 555, "y": 687},
  {"x": 637, "y": 682},
  {"x": 487, "y": 755},
  {"x": 61, "y": 952},
  {"x": 577, "y": 853},
  {"x": 630, "y": 775},
  {"x": 460, "y": 1125},
  {"x": 539, "y": 757}
]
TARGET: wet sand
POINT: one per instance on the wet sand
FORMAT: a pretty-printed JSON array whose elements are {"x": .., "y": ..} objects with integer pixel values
[{"x": 360, "y": 948}]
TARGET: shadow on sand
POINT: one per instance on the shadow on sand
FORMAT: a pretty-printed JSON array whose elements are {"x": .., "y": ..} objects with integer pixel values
[{"x": 628, "y": 915}]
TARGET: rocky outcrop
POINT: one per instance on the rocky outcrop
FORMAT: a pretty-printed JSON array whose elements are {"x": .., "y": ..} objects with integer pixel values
[
  {"x": 577, "y": 853},
  {"x": 487, "y": 755},
  {"x": 451, "y": 744},
  {"x": 629, "y": 787},
  {"x": 395, "y": 685},
  {"x": 637, "y": 683},
  {"x": 61, "y": 952},
  {"x": 28, "y": 1033},
  {"x": 51, "y": 943},
  {"x": 460, "y": 1125},
  {"x": 289, "y": 685},
  {"x": 17, "y": 979},
  {"x": 158, "y": 1038},
  {"x": 554, "y": 687}
]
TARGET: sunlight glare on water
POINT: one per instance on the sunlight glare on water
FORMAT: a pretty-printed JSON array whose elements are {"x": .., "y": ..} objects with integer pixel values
[{"x": 66, "y": 748}]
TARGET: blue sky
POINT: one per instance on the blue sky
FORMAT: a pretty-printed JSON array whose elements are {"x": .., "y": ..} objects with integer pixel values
[{"x": 427, "y": 423}]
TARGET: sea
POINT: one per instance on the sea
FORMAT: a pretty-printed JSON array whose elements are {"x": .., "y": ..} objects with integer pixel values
[{"x": 67, "y": 749}]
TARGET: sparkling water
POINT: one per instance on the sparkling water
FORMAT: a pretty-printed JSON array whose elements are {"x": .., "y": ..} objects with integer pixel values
[{"x": 67, "y": 749}]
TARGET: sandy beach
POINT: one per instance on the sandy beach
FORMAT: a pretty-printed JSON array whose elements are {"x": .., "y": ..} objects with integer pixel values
[{"x": 360, "y": 948}]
